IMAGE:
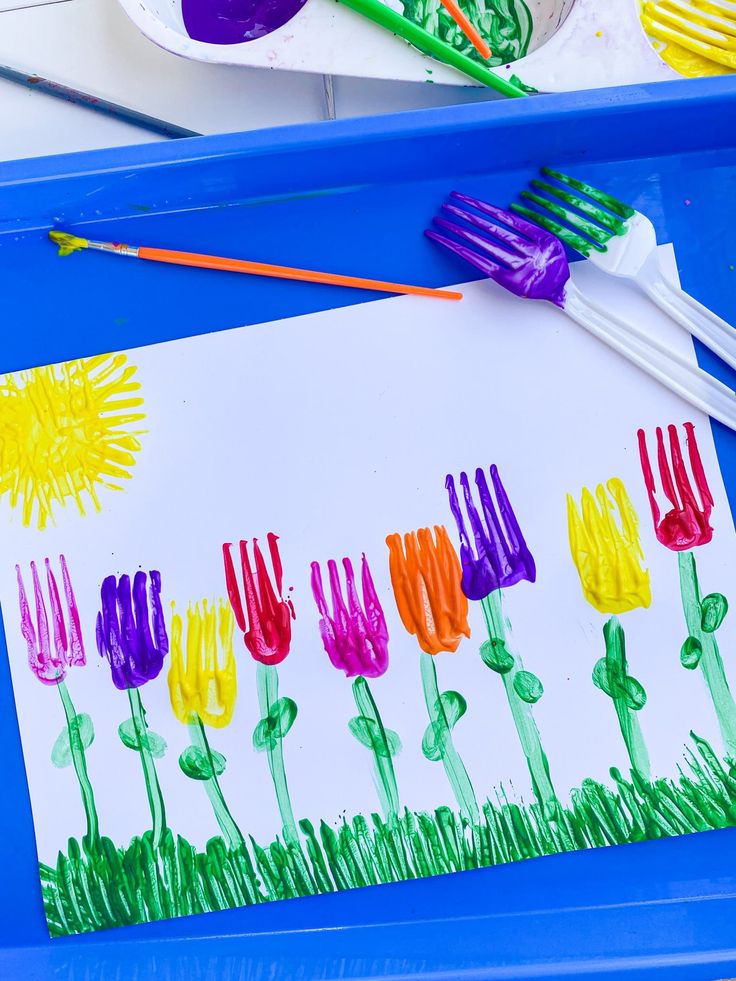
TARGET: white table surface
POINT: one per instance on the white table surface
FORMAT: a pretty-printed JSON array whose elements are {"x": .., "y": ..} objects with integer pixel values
[{"x": 91, "y": 45}]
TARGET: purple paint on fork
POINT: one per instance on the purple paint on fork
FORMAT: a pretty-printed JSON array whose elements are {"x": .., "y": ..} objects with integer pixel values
[
  {"x": 235, "y": 21},
  {"x": 523, "y": 258}
]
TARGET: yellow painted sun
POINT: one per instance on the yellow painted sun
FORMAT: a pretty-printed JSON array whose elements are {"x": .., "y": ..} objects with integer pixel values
[{"x": 65, "y": 432}]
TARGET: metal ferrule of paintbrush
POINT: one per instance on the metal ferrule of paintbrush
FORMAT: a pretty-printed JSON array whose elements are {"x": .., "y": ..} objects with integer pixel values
[{"x": 118, "y": 247}]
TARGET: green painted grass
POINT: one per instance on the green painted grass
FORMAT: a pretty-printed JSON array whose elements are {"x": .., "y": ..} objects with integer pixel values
[{"x": 97, "y": 886}]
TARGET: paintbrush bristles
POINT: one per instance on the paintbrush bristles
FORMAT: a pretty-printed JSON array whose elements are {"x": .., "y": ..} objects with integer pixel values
[{"x": 67, "y": 242}]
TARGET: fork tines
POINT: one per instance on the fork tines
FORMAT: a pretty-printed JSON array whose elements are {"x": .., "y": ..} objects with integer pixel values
[
  {"x": 585, "y": 221},
  {"x": 705, "y": 27}
]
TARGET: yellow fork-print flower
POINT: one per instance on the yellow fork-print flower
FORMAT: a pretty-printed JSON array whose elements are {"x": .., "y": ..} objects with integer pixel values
[
  {"x": 606, "y": 551},
  {"x": 202, "y": 675}
]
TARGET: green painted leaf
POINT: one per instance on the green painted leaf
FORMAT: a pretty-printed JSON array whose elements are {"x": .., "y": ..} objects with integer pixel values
[
  {"x": 393, "y": 743},
  {"x": 528, "y": 687},
  {"x": 61, "y": 754},
  {"x": 363, "y": 729},
  {"x": 275, "y": 725},
  {"x": 195, "y": 763},
  {"x": 600, "y": 677},
  {"x": 634, "y": 694},
  {"x": 454, "y": 706},
  {"x": 433, "y": 743},
  {"x": 282, "y": 715},
  {"x": 368, "y": 733},
  {"x": 263, "y": 736},
  {"x": 713, "y": 610},
  {"x": 496, "y": 657},
  {"x": 690, "y": 653},
  {"x": 155, "y": 744}
]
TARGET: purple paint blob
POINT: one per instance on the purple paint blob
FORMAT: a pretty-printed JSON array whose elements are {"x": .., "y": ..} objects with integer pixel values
[
  {"x": 354, "y": 637},
  {"x": 134, "y": 647},
  {"x": 235, "y": 21},
  {"x": 523, "y": 258},
  {"x": 501, "y": 557}
]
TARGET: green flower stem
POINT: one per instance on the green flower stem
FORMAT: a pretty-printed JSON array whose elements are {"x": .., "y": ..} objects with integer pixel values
[
  {"x": 155, "y": 797},
  {"x": 267, "y": 683},
  {"x": 462, "y": 788},
  {"x": 711, "y": 663},
  {"x": 388, "y": 792},
  {"x": 521, "y": 711},
  {"x": 80, "y": 765},
  {"x": 628, "y": 717},
  {"x": 229, "y": 828}
]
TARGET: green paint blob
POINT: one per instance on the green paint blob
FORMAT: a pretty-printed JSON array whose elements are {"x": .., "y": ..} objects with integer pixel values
[
  {"x": 274, "y": 726},
  {"x": 129, "y": 736},
  {"x": 495, "y": 656},
  {"x": 702, "y": 618},
  {"x": 80, "y": 729},
  {"x": 198, "y": 764},
  {"x": 528, "y": 687},
  {"x": 529, "y": 89},
  {"x": 506, "y": 25},
  {"x": 713, "y": 610}
]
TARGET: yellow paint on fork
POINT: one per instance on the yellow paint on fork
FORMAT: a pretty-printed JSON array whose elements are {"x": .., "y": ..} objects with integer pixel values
[
  {"x": 607, "y": 553},
  {"x": 685, "y": 44}
]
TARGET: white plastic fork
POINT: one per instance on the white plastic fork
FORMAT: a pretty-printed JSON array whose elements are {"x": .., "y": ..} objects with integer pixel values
[
  {"x": 530, "y": 262},
  {"x": 622, "y": 242}
]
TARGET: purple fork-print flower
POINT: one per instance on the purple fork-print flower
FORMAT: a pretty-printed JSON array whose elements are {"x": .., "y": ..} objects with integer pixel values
[
  {"x": 500, "y": 557},
  {"x": 134, "y": 648}
]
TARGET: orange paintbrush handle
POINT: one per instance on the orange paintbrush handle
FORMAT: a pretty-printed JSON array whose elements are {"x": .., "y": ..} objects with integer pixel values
[
  {"x": 287, "y": 272},
  {"x": 466, "y": 27}
]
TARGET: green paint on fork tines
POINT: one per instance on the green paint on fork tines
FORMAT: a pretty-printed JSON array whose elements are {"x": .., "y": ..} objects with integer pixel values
[
  {"x": 611, "y": 224},
  {"x": 575, "y": 241},
  {"x": 586, "y": 228},
  {"x": 613, "y": 204}
]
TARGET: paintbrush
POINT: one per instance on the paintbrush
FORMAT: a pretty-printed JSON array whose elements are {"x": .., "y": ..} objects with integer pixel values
[
  {"x": 453, "y": 9},
  {"x": 77, "y": 98},
  {"x": 69, "y": 243}
]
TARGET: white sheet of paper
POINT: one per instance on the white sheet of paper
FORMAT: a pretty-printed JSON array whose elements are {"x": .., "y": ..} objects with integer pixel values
[{"x": 334, "y": 430}]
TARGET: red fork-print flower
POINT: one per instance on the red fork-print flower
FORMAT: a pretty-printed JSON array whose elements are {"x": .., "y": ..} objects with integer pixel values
[
  {"x": 267, "y": 629},
  {"x": 687, "y": 523}
]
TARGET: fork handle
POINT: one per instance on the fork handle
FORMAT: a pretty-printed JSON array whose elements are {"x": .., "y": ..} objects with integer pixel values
[
  {"x": 698, "y": 320},
  {"x": 675, "y": 372}
]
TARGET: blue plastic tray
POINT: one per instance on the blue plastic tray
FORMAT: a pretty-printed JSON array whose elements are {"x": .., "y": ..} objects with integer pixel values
[{"x": 355, "y": 196}]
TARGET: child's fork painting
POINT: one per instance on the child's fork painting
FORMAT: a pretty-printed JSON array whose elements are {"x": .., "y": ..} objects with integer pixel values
[{"x": 379, "y": 593}]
